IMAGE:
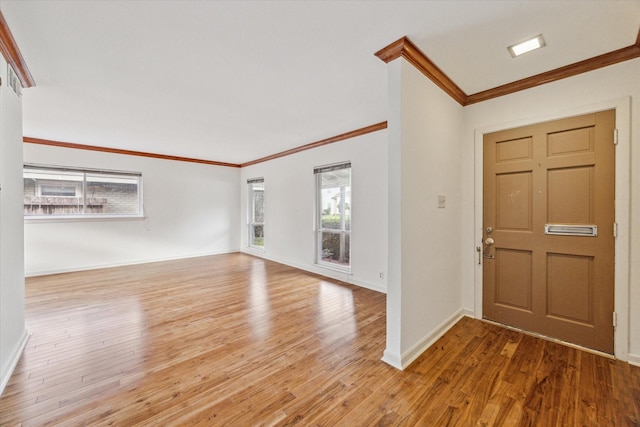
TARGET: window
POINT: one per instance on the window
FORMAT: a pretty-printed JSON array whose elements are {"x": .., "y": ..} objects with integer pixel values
[
  {"x": 256, "y": 213},
  {"x": 333, "y": 192},
  {"x": 51, "y": 191}
]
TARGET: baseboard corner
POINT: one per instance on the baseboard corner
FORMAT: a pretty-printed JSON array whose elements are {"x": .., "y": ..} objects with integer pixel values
[
  {"x": 466, "y": 312},
  {"x": 429, "y": 339},
  {"x": 14, "y": 360},
  {"x": 393, "y": 359},
  {"x": 633, "y": 359}
]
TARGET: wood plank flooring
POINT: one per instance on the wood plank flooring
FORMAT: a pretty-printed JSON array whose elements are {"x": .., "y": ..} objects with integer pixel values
[{"x": 233, "y": 340}]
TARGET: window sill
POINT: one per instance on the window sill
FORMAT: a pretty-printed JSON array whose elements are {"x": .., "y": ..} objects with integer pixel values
[{"x": 82, "y": 218}]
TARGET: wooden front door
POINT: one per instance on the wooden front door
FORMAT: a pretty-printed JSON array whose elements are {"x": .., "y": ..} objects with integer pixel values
[{"x": 548, "y": 224}]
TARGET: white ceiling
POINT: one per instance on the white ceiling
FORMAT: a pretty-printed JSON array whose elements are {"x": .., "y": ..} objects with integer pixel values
[{"x": 235, "y": 81}]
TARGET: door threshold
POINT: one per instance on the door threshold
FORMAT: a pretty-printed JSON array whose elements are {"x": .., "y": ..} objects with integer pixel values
[{"x": 555, "y": 340}]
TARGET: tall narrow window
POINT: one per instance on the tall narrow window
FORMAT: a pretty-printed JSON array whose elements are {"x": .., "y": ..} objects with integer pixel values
[
  {"x": 256, "y": 212},
  {"x": 52, "y": 191},
  {"x": 333, "y": 192}
]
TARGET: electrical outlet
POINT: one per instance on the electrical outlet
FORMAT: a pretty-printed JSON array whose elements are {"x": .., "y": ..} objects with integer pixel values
[{"x": 381, "y": 275}]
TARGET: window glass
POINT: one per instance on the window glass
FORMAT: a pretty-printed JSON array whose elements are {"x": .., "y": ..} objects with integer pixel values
[
  {"x": 59, "y": 189},
  {"x": 53, "y": 191},
  {"x": 256, "y": 213},
  {"x": 112, "y": 194},
  {"x": 333, "y": 186}
]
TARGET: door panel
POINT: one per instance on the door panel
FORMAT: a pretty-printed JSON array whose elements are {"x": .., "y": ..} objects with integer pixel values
[
  {"x": 572, "y": 141},
  {"x": 513, "y": 194},
  {"x": 513, "y": 278},
  {"x": 570, "y": 198},
  {"x": 518, "y": 149},
  {"x": 561, "y": 173},
  {"x": 570, "y": 287}
]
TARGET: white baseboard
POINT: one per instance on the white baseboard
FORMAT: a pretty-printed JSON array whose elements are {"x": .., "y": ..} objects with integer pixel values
[
  {"x": 367, "y": 285},
  {"x": 468, "y": 313},
  {"x": 393, "y": 359},
  {"x": 332, "y": 274},
  {"x": 404, "y": 360},
  {"x": 122, "y": 264},
  {"x": 15, "y": 357},
  {"x": 633, "y": 359}
]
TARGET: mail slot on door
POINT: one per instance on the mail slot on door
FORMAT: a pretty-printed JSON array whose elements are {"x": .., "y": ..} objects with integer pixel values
[{"x": 571, "y": 230}]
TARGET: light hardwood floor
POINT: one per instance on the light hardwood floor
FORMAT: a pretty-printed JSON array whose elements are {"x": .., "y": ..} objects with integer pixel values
[{"x": 235, "y": 340}]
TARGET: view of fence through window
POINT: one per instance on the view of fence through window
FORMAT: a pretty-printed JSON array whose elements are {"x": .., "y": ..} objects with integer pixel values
[
  {"x": 256, "y": 212},
  {"x": 50, "y": 191},
  {"x": 333, "y": 185}
]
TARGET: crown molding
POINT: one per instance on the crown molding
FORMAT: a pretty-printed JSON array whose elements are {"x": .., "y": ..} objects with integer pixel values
[
  {"x": 61, "y": 144},
  {"x": 11, "y": 52},
  {"x": 601, "y": 61},
  {"x": 406, "y": 49},
  {"x": 358, "y": 132}
]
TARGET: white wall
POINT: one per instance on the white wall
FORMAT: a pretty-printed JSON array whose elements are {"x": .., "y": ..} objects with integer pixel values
[
  {"x": 424, "y": 263},
  {"x": 435, "y": 148},
  {"x": 190, "y": 210},
  {"x": 13, "y": 335},
  {"x": 593, "y": 91},
  {"x": 290, "y": 200}
]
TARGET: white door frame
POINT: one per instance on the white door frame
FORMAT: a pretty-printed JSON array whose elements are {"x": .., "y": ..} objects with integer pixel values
[{"x": 622, "y": 106}]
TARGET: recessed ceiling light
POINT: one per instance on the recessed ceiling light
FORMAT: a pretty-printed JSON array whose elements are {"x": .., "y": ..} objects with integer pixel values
[{"x": 527, "y": 46}]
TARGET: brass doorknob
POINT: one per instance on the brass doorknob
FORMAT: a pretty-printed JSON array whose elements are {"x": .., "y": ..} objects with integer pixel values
[{"x": 488, "y": 241}]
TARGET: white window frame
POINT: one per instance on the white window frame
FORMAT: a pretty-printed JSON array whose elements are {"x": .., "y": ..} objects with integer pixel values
[
  {"x": 318, "y": 171},
  {"x": 251, "y": 221},
  {"x": 81, "y": 185}
]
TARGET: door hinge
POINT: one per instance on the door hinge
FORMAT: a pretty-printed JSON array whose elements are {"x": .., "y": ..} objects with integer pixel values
[
  {"x": 615, "y": 229},
  {"x": 615, "y": 319},
  {"x": 615, "y": 137}
]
